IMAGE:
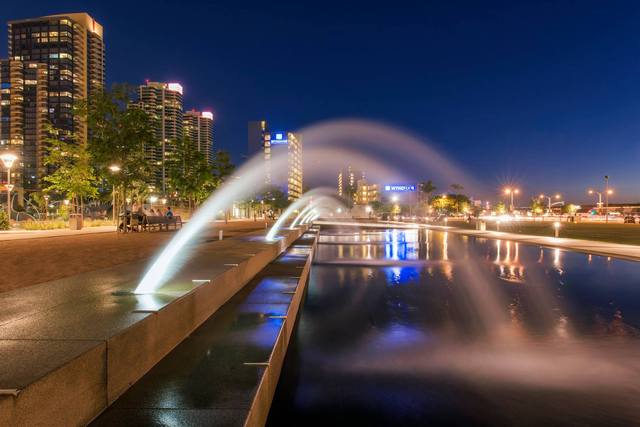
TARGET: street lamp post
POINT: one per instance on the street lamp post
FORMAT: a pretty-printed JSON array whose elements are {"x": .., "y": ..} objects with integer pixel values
[
  {"x": 7, "y": 160},
  {"x": 511, "y": 192},
  {"x": 608, "y": 191},
  {"x": 606, "y": 198},
  {"x": 557, "y": 197},
  {"x": 114, "y": 170}
]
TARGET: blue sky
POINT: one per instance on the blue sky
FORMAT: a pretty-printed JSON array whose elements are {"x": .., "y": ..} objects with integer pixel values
[{"x": 543, "y": 94}]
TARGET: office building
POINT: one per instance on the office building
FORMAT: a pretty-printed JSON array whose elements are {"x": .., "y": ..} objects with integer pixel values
[
  {"x": 366, "y": 192},
  {"x": 53, "y": 62},
  {"x": 198, "y": 127},
  {"x": 270, "y": 144},
  {"x": 163, "y": 103}
]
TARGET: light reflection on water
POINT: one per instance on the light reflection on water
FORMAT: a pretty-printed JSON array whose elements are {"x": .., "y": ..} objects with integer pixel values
[{"x": 459, "y": 329}]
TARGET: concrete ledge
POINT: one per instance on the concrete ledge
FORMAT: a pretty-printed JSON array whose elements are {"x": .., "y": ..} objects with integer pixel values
[
  {"x": 98, "y": 363},
  {"x": 69, "y": 394},
  {"x": 259, "y": 411}
]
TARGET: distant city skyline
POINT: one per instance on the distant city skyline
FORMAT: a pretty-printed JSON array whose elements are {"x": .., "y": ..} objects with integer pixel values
[{"x": 552, "y": 107}]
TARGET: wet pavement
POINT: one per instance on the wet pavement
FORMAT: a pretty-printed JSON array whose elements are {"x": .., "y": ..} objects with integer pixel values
[{"x": 212, "y": 377}]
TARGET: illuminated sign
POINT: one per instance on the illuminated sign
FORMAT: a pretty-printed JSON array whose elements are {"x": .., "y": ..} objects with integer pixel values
[
  {"x": 279, "y": 138},
  {"x": 207, "y": 115},
  {"x": 175, "y": 87},
  {"x": 400, "y": 188}
]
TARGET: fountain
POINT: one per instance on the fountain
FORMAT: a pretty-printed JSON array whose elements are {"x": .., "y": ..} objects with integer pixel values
[
  {"x": 307, "y": 200},
  {"x": 373, "y": 146}
]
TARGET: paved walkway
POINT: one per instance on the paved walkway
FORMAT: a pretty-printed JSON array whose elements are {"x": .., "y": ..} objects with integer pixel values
[
  {"x": 28, "y": 260},
  {"x": 54, "y": 336},
  {"x": 38, "y": 234},
  {"x": 617, "y": 250}
]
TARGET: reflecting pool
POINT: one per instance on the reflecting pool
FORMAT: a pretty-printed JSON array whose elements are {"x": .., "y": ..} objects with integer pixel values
[{"x": 418, "y": 327}]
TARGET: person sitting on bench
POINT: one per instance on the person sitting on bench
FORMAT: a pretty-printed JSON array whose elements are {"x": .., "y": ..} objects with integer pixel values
[{"x": 169, "y": 213}]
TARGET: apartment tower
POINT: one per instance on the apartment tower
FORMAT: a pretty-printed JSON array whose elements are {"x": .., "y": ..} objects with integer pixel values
[{"x": 53, "y": 62}]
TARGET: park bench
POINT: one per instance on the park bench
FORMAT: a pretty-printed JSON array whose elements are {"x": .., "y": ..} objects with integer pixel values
[{"x": 158, "y": 222}]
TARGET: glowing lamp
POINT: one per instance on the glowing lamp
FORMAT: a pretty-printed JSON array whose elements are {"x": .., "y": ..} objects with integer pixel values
[{"x": 8, "y": 159}]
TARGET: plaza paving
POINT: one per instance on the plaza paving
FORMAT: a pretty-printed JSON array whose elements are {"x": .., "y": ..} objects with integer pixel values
[
  {"x": 32, "y": 257},
  {"x": 69, "y": 347}
]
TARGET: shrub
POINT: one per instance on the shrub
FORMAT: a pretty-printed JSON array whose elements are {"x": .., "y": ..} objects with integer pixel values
[{"x": 4, "y": 221}]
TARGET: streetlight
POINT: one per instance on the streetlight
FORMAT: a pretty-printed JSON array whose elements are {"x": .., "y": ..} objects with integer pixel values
[
  {"x": 511, "y": 192},
  {"x": 608, "y": 191},
  {"x": 557, "y": 197},
  {"x": 8, "y": 159},
  {"x": 114, "y": 170},
  {"x": 606, "y": 198},
  {"x": 556, "y": 227}
]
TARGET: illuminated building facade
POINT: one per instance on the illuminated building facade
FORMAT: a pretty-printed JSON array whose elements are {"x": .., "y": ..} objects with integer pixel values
[
  {"x": 198, "y": 127},
  {"x": 163, "y": 103},
  {"x": 53, "y": 62},
  {"x": 278, "y": 143},
  {"x": 348, "y": 182},
  {"x": 367, "y": 193},
  {"x": 23, "y": 113}
]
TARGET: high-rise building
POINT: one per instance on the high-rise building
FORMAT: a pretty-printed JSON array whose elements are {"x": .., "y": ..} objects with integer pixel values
[
  {"x": 23, "y": 109},
  {"x": 163, "y": 103},
  {"x": 198, "y": 126},
  {"x": 278, "y": 143},
  {"x": 348, "y": 182},
  {"x": 53, "y": 61},
  {"x": 72, "y": 46}
]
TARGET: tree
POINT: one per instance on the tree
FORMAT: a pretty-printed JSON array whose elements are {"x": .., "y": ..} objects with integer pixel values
[
  {"x": 457, "y": 187},
  {"x": 222, "y": 167},
  {"x": 72, "y": 174},
  {"x": 500, "y": 208},
  {"x": 536, "y": 206},
  {"x": 276, "y": 198},
  {"x": 119, "y": 135},
  {"x": 189, "y": 171}
]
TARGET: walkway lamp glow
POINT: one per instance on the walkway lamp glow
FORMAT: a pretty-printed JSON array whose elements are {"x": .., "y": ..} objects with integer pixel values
[
  {"x": 498, "y": 225},
  {"x": 557, "y": 197},
  {"x": 114, "y": 170},
  {"x": 511, "y": 192},
  {"x": 556, "y": 227},
  {"x": 7, "y": 160}
]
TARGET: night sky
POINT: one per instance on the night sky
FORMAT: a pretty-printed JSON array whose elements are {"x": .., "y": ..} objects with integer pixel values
[{"x": 542, "y": 94}]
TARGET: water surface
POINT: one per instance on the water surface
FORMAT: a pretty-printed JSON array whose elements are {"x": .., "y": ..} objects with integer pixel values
[{"x": 402, "y": 327}]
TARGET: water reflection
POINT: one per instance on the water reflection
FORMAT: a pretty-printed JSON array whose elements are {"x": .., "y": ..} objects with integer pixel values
[{"x": 426, "y": 327}]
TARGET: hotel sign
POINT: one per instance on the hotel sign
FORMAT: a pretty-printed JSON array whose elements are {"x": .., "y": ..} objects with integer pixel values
[
  {"x": 278, "y": 138},
  {"x": 400, "y": 188}
]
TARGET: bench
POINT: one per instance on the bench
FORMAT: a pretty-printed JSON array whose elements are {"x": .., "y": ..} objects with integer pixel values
[{"x": 153, "y": 222}]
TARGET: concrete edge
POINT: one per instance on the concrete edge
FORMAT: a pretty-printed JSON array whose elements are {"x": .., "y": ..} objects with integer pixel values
[
  {"x": 259, "y": 411},
  {"x": 76, "y": 392}
]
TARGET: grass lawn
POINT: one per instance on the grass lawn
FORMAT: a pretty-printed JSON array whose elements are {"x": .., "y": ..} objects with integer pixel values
[{"x": 628, "y": 234}]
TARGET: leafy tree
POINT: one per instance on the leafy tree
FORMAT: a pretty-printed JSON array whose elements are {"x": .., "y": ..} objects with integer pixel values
[
  {"x": 276, "y": 198},
  {"x": 500, "y": 208},
  {"x": 189, "y": 171},
  {"x": 119, "y": 135},
  {"x": 457, "y": 187},
  {"x": 72, "y": 174},
  {"x": 451, "y": 203},
  {"x": 536, "y": 206},
  {"x": 222, "y": 166}
]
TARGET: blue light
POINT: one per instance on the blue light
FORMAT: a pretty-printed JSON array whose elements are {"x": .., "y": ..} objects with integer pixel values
[{"x": 402, "y": 188}]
